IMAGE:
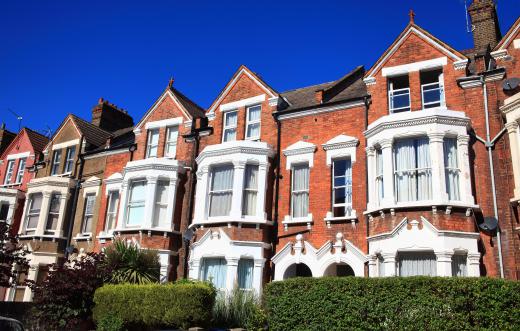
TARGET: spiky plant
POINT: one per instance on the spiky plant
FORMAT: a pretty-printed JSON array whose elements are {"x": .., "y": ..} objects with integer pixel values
[{"x": 127, "y": 263}]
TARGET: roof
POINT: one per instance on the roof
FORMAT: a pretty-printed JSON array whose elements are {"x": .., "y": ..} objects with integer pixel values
[
  {"x": 195, "y": 110},
  {"x": 38, "y": 141},
  {"x": 350, "y": 86},
  {"x": 91, "y": 133},
  {"x": 507, "y": 39}
]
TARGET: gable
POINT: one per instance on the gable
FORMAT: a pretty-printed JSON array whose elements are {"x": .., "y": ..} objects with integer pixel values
[
  {"x": 66, "y": 133},
  {"x": 511, "y": 35},
  {"x": 19, "y": 144}
]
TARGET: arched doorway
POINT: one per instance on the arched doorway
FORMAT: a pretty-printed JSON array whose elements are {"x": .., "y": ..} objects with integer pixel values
[
  {"x": 297, "y": 270},
  {"x": 339, "y": 270}
]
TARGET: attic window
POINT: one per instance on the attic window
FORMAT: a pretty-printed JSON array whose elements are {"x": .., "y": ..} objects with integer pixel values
[
  {"x": 399, "y": 94},
  {"x": 432, "y": 88}
]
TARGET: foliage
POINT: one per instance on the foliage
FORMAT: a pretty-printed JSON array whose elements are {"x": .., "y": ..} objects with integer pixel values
[
  {"x": 64, "y": 299},
  {"x": 238, "y": 309},
  {"x": 156, "y": 305},
  {"x": 128, "y": 263},
  {"x": 110, "y": 323},
  {"x": 413, "y": 303},
  {"x": 11, "y": 254}
]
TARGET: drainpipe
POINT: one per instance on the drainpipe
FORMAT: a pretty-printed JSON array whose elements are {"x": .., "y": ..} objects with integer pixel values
[
  {"x": 489, "y": 144},
  {"x": 366, "y": 101}
]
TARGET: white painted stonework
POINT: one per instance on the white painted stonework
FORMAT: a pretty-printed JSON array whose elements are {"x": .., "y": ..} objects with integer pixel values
[
  {"x": 215, "y": 243},
  {"x": 10, "y": 196},
  {"x": 318, "y": 260},
  {"x": 421, "y": 235},
  {"x": 435, "y": 123},
  {"x": 511, "y": 111},
  {"x": 242, "y": 103},
  {"x": 341, "y": 146},
  {"x": 163, "y": 123},
  {"x": 415, "y": 66},
  {"x": 238, "y": 153},
  {"x": 299, "y": 152}
]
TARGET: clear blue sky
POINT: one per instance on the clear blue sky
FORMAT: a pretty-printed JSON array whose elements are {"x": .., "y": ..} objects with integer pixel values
[{"x": 59, "y": 57}]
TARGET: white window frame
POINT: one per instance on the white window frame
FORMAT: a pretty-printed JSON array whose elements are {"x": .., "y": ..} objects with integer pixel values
[
  {"x": 392, "y": 92},
  {"x": 249, "y": 122},
  {"x": 137, "y": 203},
  {"x": 293, "y": 191},
  {"x": 149, "y": 145},
  {"x": 440, "y": 87},
  {"x": 31, "y": 212},
  {"x": 111, "y": 214},
  {"x": 9, "y": 172},
  {"x": 53, "y": 213},
  {"x": 21, "y": 169},
  {"x": 170, "y": 147},
  {"x": 457, "y": 170},
  {"x": 70, "y": 153},
  {"x": 348, "y": 212},
  {"x": 55, "y": 164},
  {"x": 230, "y": 127},
  {"x": 157, "y": 203},
  {"x": 379, "y": 179},
  {"x": 249, "y": 189},
  {"x": 211, "y": 191},
  {"x": 85, "y": 214}
]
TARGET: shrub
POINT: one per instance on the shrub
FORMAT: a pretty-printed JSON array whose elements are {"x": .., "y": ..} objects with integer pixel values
[
  {"x": 11, "y": 254},
  {"x": 156, "y": 305},
  {"x": 414, "y": 303},
  {"x": 238, "y": 309},
  {"x": 128, "y": 263},
  {"x": 110, "y": 323}
]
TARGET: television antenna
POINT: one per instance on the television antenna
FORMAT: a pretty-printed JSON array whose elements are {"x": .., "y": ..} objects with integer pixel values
[
  {"x": 468, "y": 29},
  {"x": 18, "y": 117}
]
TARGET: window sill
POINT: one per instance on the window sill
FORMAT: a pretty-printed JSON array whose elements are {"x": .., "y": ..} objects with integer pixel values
[
  {"x": 83, "y": 237},
  {"x": 41, "y": 237},
  {"x": 10, "y": 185},
  {"x": 416, "y": 204},
  {"x": 144, "y": 229},
  {"x": 231, "y": 219},
  {"x": 65, "y": 174},
  {"x": 330, "y": 218},
  {"x": 289, "y": 220}
]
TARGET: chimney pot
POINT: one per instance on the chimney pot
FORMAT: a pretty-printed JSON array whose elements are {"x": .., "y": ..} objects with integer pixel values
[{"x": 318, "y": 96}]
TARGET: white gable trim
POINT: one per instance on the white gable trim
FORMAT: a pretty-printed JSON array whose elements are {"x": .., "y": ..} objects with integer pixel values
[
  {"x": 401, "y": 40},
  {"x": 163, "y": 123},
  {"x": 18, "y": 156},
  {"x": 242, "y": 103},
  {"x": 507, "y": 41},
  {"x": 415, "y": 66},
  {"x": 65, "y": 144},
  {"x": 59, "y": 131}
]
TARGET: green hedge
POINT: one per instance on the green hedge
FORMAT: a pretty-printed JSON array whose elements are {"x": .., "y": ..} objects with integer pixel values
[
  {"x": 182, "y": 304},
  {"x": 414, "y": 303}
]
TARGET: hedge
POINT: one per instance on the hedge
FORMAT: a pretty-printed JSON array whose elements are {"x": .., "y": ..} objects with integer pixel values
[
  {"x": 182, "y": 304},
  {"x": 413, "y": 303}
]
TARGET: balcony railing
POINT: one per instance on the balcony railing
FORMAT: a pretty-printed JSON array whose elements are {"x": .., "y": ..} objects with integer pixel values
[
  {"x": 432, "y": 95},
  {"x": 399, "y": 100}
]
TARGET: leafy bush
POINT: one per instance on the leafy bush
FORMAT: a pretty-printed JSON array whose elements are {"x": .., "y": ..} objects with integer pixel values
[
  {"x": 156, "y": 305},
  {"x": 414, "y": 303},
  {"x": 110, "y": 323},
  {"x": 64, "y": 299},
  {"x": 11, "y": 254},
  {"x": 238, "y": 309},
  {"x": 128, "y": 263}
]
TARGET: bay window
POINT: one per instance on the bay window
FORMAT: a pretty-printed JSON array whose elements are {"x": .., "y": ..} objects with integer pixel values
[
  {"x": 56, "y": 160},
  {"x": 250, "y": 190},
  {"x": 21, "y": 169},
  {"x": 221, "y": 190},
  {"x": 33, "y": 213},
  {"x": 399, "y": 94},
  {"x": 69, "y": 159},
  {"x": 54, "y": 213},
  {"x": 342, "y": 187},
  {"x": 152, "y": 143},
  {"x": 245, "y": 274},
  {"x": 230, "y": 126},
  {"x": 113, "y": 202},
  {"x": 172, "y": 133},
  {"x": 253, "y": 122},
  {"x": 161, "y": 202},
  {"x": 214, "y": 270},
  {"x": 417, "y": 264},
  {"x": 413, "y": 180},
  {"x": 300, "y": 191},
  {"x": 432, "y": 88},
  {"x": 135, "y": 213},
  {"x": 9, "y": 172},
  {"x": 88, "y": 214},
  {"x": 451, "y": 166}
]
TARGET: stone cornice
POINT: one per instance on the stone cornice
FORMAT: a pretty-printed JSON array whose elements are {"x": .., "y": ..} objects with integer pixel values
[
  {"x": 242, "y": 147},
  {"x": 347, "y": 144},
  {"x": 511, "y": 104},
  {"x": 51, "y": 181},
  {"x": 299, "y": 151}
]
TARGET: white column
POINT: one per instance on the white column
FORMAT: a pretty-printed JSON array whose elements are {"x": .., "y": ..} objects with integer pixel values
[
  {"x": 512, "y": 130},
  {"x": 473, "y": 264},
  {"x": 123, "y": 203},
  {"x": 149, "y": 204},
  {"x": 444, "y": 263},
  {"x": 232, "y": 272},
  {"x": 371, "y": 172},
  {"x": 465, "y": 171},
  {"x": 388, "y": 172},
  {"x": 372, "y": 266},
  {"x": 61, "y": 218},
  {"x": 258, "y": 273},
  {"x": 390, "y": 264},
  {"x": 262, "y": 186},
  {"x": 194, "y": 269},
  {"x": 10, "y": 211},
  {"x": 201, "y": 194},
  {"x": 171, "y": 204},
  {"x": 44, "y": 212},
  {"x": 437, "y": 163},
  {"x": 164, "y": 260},
  {"x": 238, "y": 189},
  {"x": 26, "y": 207}
]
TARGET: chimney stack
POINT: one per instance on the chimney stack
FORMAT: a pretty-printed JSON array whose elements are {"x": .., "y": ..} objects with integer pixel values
[
  {"x": 318, "y": 96},
  {"x": 484, "y": 21},
  {"x": 109, "y": 117}
]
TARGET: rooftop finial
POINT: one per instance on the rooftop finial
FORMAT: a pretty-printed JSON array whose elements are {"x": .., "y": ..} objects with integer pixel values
[
  {"x": 100, "y": 101},
  {"x": 170, "y": 83},
  {"x": 412, "y": 16}
]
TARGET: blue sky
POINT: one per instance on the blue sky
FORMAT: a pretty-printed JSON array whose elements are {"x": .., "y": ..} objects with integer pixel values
[{"x": 59, "y": 57}]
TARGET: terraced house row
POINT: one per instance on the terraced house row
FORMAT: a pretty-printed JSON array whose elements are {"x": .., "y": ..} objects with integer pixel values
[{"x": 411, "y": 167}]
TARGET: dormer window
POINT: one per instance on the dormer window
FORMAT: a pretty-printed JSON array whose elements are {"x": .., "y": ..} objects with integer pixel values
[
  {"x": 253, "y": 122},
  {"x": 69, "y": 159},
  {"x": 432, "y": 88},
  {"x": 230, "y": 126},
  {"x": 9, "y": 172},
  {"x": 56, "y": 160},
  {"x": 153, "y": 143},
  {"x": 399, "y": 94}
]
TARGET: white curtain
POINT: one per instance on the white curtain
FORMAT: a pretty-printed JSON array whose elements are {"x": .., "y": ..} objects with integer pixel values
[
  {"x": 459, "y": 265},
  {"x": 245, "y": 273},
  {"x": 300, "y": 191},
  {"x": 417, "y": 264},
  {"x": 136, "y": 203},
  {"x": 253, "y": 127},
  {"x": 250, "y": 190},
  {"x": 221, "y": 192},
  {"x": 230, "y": 126},
  {"x": 413, "y": 169},
  {"x": 214, "y": 270},
  {"x": 451, "y": 168},
  {"x": 161, "y": 202},
  {"x": 379, "y": 175}
]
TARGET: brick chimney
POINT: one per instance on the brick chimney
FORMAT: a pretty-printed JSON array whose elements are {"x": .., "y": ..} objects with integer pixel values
[
  {"x": 109, "y": 117},
  {"x": 5, "y": 137},
  {"x": 318, "y": 96},
  {"x": 484, "y": 20}
]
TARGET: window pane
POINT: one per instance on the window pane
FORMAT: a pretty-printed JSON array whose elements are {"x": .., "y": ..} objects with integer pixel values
[
  {"x": 412, "y": 169},
  {"x": 171, "y": 141},
  {"x": 137, "y": 192},
  {"x": 231, "y": 118},
  {"x": 459, "y": 265},
  {"x": 135, "y": 215},
  {"x": 339, "y": 195},
  {"x": 254, "y": 113},
  {"x": 301, "y": 177},
  {"x": 70, "y": 158},
  {"x": 300, "y": 191},
  {"x": 161, "y": 202},
  {"x": 451, "y": 168},
  {"x": 250, "y": 190},
  {"x": 245, "y": 273},
  {"x": 21, "y": 169},
  {"x": 214, "y": 270},
  {"x": 113, "y": 201},
  {"x": 221, "y": 192},
  {"x": 230, "y": 134},
  {"x": 222, "y": 178},
  {"x": 56, "y": 162},
  {"x": 253, "y": 130},
  {"x": 9, "y": 172},
  {"x": 55, "y": 203},
  {"x": 52, "y": 222},
  {"x": 417, "y": 264}
]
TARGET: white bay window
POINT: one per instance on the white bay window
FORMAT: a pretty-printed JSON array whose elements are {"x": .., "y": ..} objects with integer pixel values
[
  {"x": 452, "y": 170},
  {"x": 214, "y": 270},
  {"x": 221, "y": 190},
  {"x": 417, "y": 264},
  {"x": 161, "y": 201},
  {"x": 33, "y": 213},
  {"x": 136, "y": 203},
  {"x": 54, "y": 213},
  {"x": 250, "y": 190}
]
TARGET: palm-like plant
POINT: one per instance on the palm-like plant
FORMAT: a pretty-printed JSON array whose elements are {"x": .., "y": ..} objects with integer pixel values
[{"x": 127, "y": 263}]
